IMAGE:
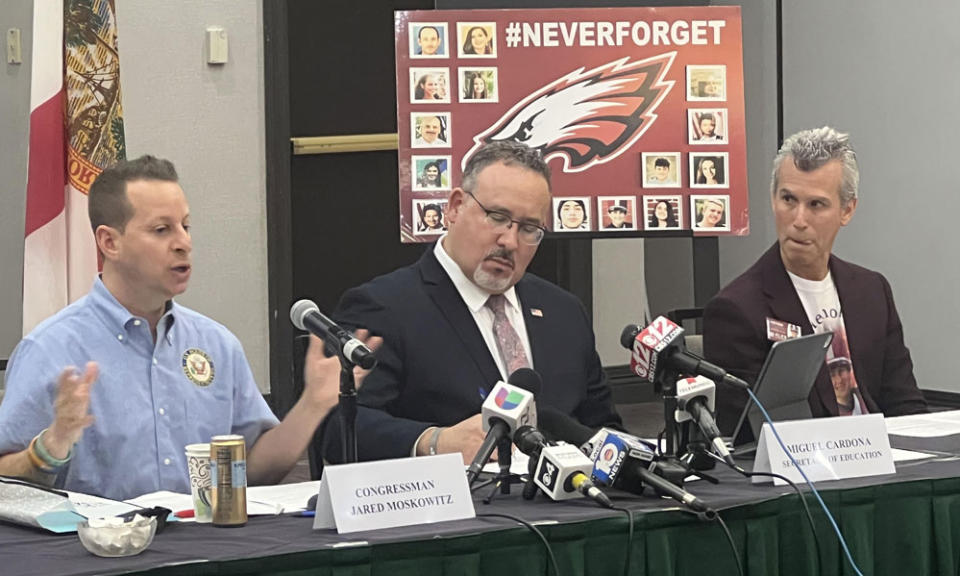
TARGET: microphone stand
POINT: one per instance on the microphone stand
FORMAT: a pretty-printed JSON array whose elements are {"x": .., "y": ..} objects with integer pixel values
[
  {"x": 347, "y": 403},
  {"x": 504, "y": 477}
]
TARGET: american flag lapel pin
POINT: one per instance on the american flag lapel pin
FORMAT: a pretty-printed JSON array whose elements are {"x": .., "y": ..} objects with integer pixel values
[{"x": 536, "y": 312}]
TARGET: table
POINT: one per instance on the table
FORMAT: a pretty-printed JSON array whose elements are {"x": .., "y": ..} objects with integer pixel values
[{"x": 903, "y": 524}]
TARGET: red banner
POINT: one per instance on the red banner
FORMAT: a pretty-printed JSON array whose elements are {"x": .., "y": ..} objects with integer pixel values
[{"x": 639, "y": 112}]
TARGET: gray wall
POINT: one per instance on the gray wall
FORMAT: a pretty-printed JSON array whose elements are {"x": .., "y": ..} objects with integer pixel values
[
  {"x": 15, "y": 129},
  {"x": 209, "y": 121},
  {"x": 887, "y": 74}
]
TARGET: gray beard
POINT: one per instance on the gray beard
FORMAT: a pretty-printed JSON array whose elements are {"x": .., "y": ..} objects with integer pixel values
[{"x": 489, "y": 282}]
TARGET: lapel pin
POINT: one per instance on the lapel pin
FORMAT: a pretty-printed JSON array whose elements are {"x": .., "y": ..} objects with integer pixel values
[{"x": 536, "y": 312}]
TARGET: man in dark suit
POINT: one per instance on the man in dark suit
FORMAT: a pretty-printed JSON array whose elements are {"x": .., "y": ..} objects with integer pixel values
[
  {"x": 799, "y": 286},
  {"x": 466, "y": 316}
]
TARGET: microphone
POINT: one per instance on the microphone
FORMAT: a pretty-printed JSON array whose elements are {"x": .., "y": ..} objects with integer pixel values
[
  {"x": 562, "y": 471},
  {"x": 505, "y": 409},
  {"x": 628, "y": 465},
  {"x": 306, "y": 316},
  {"x": 660, "y": 346},
  {"x": 696, "y": 401}
]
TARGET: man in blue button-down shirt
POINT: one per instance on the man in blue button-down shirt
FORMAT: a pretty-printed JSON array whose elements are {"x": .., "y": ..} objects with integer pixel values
[{"x": 157, "y": 376}]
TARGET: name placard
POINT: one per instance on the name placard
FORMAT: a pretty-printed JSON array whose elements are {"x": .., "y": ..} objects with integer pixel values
[
  {"x": 391, "y": 493},
  {"x": 826, "y": 449}
]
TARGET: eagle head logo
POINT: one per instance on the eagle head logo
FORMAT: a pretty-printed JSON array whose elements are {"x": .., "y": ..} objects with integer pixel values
[{"x": 586, "y": 117}]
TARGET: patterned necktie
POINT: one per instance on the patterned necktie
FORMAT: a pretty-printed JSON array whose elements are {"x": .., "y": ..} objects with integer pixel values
[{"x": 508, "y": 342}]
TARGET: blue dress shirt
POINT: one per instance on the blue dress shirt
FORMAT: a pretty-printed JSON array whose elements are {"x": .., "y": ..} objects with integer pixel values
[{"x": 150, "y": 400}]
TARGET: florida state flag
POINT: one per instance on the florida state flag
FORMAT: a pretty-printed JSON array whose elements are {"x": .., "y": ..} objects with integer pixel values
[{"x": 76, "y": 130}]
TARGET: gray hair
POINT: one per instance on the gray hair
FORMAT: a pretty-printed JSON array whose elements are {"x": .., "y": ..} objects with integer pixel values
[
  {"x": 507, "y": 152},
  {"x": 811, "y": 149}
]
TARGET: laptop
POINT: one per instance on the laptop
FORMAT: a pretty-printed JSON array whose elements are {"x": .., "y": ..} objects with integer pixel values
[{"x": 783, "y": 386}]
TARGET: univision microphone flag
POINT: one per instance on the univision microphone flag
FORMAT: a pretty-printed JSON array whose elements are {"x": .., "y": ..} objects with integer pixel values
[{"x": 76, "y": 130}]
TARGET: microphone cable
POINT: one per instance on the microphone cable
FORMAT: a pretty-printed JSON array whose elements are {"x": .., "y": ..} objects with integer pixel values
[
  {"x": 535, "y": 530},
  {"x": 796, "y": 488},
  {"x": 816, "y": 493},
  {"x": 626, "y": 560}
]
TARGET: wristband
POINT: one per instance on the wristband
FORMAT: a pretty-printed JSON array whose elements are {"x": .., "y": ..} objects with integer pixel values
[
  {"x": 41, "y": 451},
  {"x": 36, "y": 460},
  {"x": 434, "y": 438}
]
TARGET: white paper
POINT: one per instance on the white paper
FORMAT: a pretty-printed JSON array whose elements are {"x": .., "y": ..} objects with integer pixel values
[
  {"x": 933, "y": 425},
  {"x": 283, "y": 497},
  {"x": 90, "y": 506},
  {"x": 909, "y": 455}
]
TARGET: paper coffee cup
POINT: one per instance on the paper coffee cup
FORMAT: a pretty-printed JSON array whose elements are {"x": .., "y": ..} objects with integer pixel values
[{"x": 198, "y": 466}]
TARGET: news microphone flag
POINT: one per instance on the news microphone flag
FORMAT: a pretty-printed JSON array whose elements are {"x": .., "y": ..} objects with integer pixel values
[
  {"x": 510, "y": 403},
  {"x": 649, "y": 343},
  {"x": 76, "y": 130}
]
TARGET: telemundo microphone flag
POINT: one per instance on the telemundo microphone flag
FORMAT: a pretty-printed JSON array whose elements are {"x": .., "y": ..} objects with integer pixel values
[{"x": 76, "y": 130}]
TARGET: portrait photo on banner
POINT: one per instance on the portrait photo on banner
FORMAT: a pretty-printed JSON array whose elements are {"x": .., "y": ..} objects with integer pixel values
[
  {"x": 710, "y": 212},
  {"x": 707, "y": 126},
  {"x": 428, "y": 40},
  {"x": 706, "y": 83},
  {"x": 709, "y": 170},
  {"x": 617, "y": 213},
  {"x": 477, "y": 39},
  {"x": 430, "y": 85},
  {"x": 661, "y": 169},
  {"x": 571, "y": 214},
  {"x": 663, "y": 213},
  {"x": 429, "y": 215},
  {"x": 430, "y": 130},
  {"x": 477, "y": 85},
  {"x": 430, "y": 173}
]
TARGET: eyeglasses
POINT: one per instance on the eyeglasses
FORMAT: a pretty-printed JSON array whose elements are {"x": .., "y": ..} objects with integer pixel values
[{"x": 529, "y": 233}]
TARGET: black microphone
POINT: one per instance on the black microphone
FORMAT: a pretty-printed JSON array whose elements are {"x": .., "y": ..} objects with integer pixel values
[
  {"x": 660, "y": 346},
  {"x": 306, "y": 316}
]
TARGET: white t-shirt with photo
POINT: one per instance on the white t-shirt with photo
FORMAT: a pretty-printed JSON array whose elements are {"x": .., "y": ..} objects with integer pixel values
[{"x": 821, "y": 303}]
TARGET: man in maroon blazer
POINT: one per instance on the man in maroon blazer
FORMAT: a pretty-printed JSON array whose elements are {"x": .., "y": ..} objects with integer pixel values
[{"x": 799, "y": 286}]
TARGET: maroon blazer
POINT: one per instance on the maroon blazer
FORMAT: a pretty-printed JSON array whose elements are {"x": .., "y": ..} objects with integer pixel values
[{"x": 735, "y": 337}]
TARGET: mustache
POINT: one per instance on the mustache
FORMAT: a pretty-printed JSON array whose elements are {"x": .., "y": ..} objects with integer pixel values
[{"x": 500, "y": 253}]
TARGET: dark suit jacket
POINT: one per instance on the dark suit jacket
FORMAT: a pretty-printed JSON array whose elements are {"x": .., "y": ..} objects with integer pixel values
[
  {"x": 435, "y": 367},
  {"x": 735, "y": 337}
]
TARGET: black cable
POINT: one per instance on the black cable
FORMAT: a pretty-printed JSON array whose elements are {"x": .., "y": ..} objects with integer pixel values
[
  {"x": 535, "y": 530},
  {"x": 803, "y": 500},
  {"x": 626, "y": 561},
  {"x": 733, "y": 545}
]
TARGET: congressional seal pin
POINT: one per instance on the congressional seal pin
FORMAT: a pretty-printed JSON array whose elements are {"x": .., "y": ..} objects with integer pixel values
[{"x": 198, "y": 367}]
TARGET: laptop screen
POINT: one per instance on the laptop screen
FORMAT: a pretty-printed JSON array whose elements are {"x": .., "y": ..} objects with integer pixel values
[{"x": 784, "y": 383}]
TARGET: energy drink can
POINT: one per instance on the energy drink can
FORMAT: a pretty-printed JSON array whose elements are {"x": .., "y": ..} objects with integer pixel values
[{"x": 228, "y": 480}]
